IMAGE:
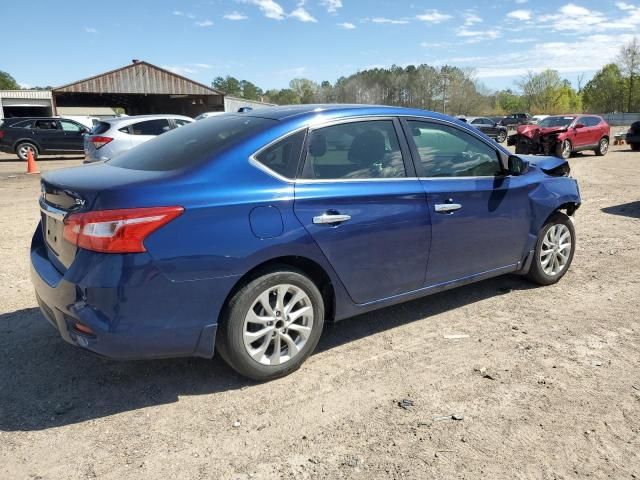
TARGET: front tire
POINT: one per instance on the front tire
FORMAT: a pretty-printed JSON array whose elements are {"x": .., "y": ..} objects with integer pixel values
[
  {"x": 502, "y": 136},
  {"x": 603, "y": 147},
  {"x": 22, "y": 150},
  {"x": 554, "y": 250},
  {"x": 563, "y": 149},
  {"x": 271, "y": 325}
]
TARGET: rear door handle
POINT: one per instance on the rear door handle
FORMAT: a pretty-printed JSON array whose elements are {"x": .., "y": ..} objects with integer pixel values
[
  {"x": 329, "y": 218},
  {"x": 447, "y": 207}
]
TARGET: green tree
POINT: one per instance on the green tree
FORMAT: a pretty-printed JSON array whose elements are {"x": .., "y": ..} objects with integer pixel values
[
  {"x": 604, "y": 93},
  {"x": 229, "y": 85},
  {"x": 629, "y": 62},
  {"x": 507, "y": 101},
  {"x": 250, "y": 91},
  {"x": 304, "y": 88},
  {"x": 285, "y": 96},
  {"x": 7, "y": 82}
]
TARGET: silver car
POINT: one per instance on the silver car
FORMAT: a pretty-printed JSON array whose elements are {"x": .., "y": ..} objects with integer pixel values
[{"x": 113, "y": 136}]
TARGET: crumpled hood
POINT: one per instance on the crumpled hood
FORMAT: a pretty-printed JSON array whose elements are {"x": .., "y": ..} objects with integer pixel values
[{"x": 531, "y": 131}]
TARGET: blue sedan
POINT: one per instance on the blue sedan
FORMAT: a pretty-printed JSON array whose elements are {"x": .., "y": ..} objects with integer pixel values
[{"x": 242, "y": 234}]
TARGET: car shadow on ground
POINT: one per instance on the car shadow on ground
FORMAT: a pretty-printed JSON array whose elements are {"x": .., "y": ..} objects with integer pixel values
[
  {"x": 47, "y": 383},
  {"x": 15, "y": 159},
  {"x": 631, "y": 209}
]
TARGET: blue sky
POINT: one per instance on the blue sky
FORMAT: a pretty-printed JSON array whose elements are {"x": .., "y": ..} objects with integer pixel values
[{"x": 271, "y": 41}]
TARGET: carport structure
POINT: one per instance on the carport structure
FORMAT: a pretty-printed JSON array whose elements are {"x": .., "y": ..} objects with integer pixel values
[{"x": 141, "y": 88}]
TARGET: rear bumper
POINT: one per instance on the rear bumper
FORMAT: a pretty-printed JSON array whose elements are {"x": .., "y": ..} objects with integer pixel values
[
  {"x": 134, "y": 311},
  {"x": 634, "y": 138}
]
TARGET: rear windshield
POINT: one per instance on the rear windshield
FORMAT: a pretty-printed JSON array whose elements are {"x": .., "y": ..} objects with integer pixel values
[
  {"x": 100, "y": 127},
  {"x": 189, "y": 145}
]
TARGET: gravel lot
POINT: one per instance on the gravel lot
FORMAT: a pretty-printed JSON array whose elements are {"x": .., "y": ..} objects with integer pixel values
[{"x": 546, "y": 380}]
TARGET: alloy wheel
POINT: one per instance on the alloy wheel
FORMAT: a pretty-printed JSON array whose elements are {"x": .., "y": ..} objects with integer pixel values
[
  {"x": 24, "y": 150},
  {"x": 604, "y": 146},
  {"x": 278, "y": 324},
  {"x": 502, "y": 136},
  {"x": 566, "y": 149},
  {"x": 556, "y": 249}
]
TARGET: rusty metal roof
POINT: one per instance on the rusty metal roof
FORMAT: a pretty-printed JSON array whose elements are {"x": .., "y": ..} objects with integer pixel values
[{"x": 141, "y": 78}]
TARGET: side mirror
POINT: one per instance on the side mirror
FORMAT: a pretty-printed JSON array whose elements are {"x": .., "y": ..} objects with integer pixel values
[
  {"x": 579, "y": 125},
  {"x": 517, "y": 166}
]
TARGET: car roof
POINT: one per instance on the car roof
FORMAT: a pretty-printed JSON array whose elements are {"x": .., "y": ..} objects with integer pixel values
[
  {"x": 287, "y": 112},
  {"x": 136, "y": 118}
]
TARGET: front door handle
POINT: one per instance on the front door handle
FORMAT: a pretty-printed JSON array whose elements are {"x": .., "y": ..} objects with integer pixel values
[
  {"x": 447, "y": 207},
  {"x": 330, "y": 218}
]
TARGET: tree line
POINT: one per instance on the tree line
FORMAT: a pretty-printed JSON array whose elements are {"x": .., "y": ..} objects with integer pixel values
[{"x": 457, "y": 91}]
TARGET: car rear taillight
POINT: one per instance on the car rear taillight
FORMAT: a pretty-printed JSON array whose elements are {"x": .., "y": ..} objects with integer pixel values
[
  {"x": 117, "y": 231},
  {"x": 1, "y": 134},
  {"x": 99, "y": 141}
]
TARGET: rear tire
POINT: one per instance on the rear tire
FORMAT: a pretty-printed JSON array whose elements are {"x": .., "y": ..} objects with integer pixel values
[
  {"x": 603, "y": 147},
  {"x": 554, "y": 250},
  {"x": 271, "y": 325},
  {"x": 563, "y": 149},
  {"x": 635, "y": 146},
  {"x": 23, "y": 148}
]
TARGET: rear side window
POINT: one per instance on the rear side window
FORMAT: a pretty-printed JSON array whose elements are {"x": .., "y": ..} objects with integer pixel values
[
  {"x": 100, "y": 127},
  {"x": 448, "y": 152},
  {"x": 191, "y": 145},
  {"x": 590, "y": 121},
  {"x": 355, "y": 150},
  {"x": 180, "y": 122},
  {"x": 283, "y": 156},
  {"x": 151, "y": 127}
]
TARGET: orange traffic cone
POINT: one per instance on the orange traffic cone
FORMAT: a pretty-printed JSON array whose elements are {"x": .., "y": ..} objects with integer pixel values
[{"x": 31, "y": 164}]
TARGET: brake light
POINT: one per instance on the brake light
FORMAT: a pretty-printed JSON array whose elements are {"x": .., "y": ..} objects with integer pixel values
[
  {"x": 117, "y": 231},
  {"x": 1, "y": 134},
  {"x": 98, "y": 141}
]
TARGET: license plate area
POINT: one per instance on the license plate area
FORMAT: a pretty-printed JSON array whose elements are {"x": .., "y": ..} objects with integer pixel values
[{"x": 53, "y": 232}]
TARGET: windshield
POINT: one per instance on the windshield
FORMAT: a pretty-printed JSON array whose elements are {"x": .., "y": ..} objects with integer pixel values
[
  {"x": 556, "y": 121},
  {"x": 192, "y": 144}
]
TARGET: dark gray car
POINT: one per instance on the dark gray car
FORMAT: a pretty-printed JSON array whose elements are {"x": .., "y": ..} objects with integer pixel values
[{"x": 489, "y": 128}]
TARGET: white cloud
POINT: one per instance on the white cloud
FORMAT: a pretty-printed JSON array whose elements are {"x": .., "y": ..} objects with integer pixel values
[
  {"x": 627, "y": 7},
  {"x": 332, "y": 6},
  {"x": 520, "y": 15},
  {"x": 433, "y": 16},
  {"x": 389, "y": 20},
  {"x": 179, "y": 70},
  {"x": 520, "y": 2},
  {"x": 235, "y": 16},
  {"x": 178, "y": 13},
  {"x": 90, "y": 30},
  {"x": 269, "y": 8},
  {"x": 204, "y": 23},
  {"x": 302, "y": 15},
  {"x": 206, "y": 66},
  {"x": 432, "y": 45},
  {"x": 347, "y": 25},
  {"x": 521, "y": 40},
  {"x": 475, "y": 36},
  {"x": 293, "y": 72},
  {"x": 471, "y": 18}
]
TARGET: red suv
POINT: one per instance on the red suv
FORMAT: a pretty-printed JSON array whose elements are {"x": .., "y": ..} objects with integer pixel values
[{"x": 561, "y": 135}]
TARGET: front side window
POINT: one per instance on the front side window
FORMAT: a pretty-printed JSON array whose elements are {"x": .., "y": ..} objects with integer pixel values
[
  {"x": 151, "y": 127},
  {"x": 355, "y": 150},
  {"x": 72, "y": 127},
  {"x": 448, "y": 152},
  {"x": 180, "y": 122},
  {"x": 46, "y": 125},
  {"x": 283, "y": 156},
  {"x": 556, "y": 121}
]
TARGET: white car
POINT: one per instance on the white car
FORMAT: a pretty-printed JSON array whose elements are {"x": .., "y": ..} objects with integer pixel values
[
  {"x": 113, "y": 136},
  {"x": 208, "y": 114},
  {"x": 538, "y": 118}
]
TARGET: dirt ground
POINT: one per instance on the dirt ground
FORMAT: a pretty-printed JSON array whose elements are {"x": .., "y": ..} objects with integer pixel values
[{"x": 546, "y": 380}]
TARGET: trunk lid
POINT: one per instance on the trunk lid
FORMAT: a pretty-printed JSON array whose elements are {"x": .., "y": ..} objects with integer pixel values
[{"x": 86, "y": 188}]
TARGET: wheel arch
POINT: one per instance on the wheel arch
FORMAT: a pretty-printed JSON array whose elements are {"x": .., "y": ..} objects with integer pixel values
[
  {"x": 26, "y": 140},
  {"x": 309, "y": 267}
]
